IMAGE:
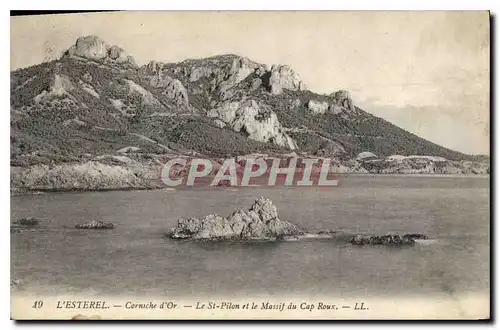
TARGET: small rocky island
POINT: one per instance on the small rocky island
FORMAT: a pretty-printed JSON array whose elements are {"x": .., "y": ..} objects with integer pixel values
[
  {"x": 95, "y": 225},
  {"x": 408, "y": 239},
  {"x": 28, "y": 222},
  {"x": 261, "y": 221},
  {"x": 24, "y": 223}
]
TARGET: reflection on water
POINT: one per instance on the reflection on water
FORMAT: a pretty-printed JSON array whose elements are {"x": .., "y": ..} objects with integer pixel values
[{"x": 135, "y": 258}]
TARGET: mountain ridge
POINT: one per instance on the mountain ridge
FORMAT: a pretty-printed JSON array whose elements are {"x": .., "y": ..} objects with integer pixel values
[{"x": 95, "y": 100}]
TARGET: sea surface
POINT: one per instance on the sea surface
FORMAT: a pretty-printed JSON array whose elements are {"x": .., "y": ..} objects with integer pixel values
[{"x": 136, "y": 259}]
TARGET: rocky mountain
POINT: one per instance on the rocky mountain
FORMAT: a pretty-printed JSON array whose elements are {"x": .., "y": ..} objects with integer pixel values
[{"x": 95, "y": 104}]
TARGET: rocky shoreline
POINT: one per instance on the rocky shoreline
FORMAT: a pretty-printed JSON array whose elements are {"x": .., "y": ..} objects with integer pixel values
[{"x": 142, "y": 172}]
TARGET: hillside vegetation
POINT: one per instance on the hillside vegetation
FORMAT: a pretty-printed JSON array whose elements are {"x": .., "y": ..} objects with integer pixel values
[{"x": 95, "y": 100}]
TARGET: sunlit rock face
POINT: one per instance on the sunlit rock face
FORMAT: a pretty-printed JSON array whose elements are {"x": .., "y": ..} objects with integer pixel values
[
  {"x": 317, "y": 107},
  {"x": 258, "y": 123},
  {"x": 94, "y": 48},
  {"x": 283, "y": 77},
  {"x": 172, "y": 88},
  {"x": 343, "y": 99}
]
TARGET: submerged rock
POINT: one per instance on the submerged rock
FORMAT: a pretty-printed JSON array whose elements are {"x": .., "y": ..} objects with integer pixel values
[
  {"x": 327, "y": 232},
  {"x": 95, "y": 225},
  {"x": 416, "y": 236},
  {"x": 408, "y": 239},
  {"x": 28, "y": 221},
  {"x": 259, "y": 222}
]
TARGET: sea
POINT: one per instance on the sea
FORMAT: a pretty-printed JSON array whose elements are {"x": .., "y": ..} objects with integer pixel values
[{"x": 136, "y": 258}]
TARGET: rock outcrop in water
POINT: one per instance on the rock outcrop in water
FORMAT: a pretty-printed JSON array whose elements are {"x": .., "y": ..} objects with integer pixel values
[
  {"x": 95, "y": 225},
  {"x": 22, "y": 224},
  {"x": 28, "y": 221},
  {"x": 259, "y": 222},
  {"x": 389, "y": 240},
  {"x": 15, "y": 284}
]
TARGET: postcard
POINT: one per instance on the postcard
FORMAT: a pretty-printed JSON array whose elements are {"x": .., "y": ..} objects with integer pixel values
[{"x": 259, "y": 165}]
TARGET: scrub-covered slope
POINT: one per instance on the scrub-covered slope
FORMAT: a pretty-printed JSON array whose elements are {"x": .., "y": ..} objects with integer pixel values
[{"x": 96, "y": 102}]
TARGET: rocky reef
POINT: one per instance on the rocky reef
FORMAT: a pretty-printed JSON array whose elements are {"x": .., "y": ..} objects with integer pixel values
[
  {"x": 22, "y": 224},
  {"x": 28, "y": 221},
  {"x": 389, "y": 240},
  {"x": 259, "y": 222},
  {"x": 95, "y": 225}
]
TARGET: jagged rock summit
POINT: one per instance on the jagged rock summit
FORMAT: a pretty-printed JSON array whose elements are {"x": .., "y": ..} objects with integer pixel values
[
  {"x": 94, "y": 48},
  {"x": 259, "y": 222},
  {"x": 283, "y": 77}
]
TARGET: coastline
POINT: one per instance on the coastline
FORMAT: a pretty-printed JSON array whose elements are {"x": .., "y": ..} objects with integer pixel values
[{"x": 22, "y": 191}]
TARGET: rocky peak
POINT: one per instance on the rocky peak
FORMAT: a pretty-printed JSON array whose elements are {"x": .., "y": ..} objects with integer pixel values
[
  {"x": 94, "y": 48},
  {"x": 154, "y": 67},
  {"x": 343, "y": 99},
  {"x": 340, "y": 101},
  {"x": 241, "y": 67},
  {"x": 283, "y": 77}
]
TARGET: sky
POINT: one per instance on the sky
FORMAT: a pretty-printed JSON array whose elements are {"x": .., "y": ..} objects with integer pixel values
[{"x": 427, "y": 72}]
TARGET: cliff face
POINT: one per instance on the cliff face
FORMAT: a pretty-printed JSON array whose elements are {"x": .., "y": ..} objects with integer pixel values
[{"x": 96, "y": 101}]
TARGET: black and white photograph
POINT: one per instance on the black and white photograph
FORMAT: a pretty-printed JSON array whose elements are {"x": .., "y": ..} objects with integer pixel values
[{"x": 256, "y": 165}]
